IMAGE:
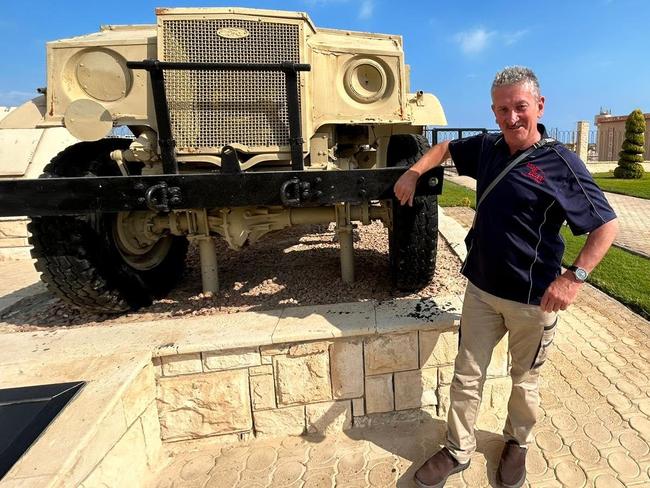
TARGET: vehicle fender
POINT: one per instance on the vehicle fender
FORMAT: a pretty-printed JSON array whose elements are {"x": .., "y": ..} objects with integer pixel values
[
  {"x": 25, "y": 152},
  {"x": 27, "y": 116},
  {"x": 425, "y": 109}
]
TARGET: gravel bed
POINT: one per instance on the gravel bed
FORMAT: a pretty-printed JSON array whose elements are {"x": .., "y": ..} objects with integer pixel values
[{"x": 295, "y": 267}]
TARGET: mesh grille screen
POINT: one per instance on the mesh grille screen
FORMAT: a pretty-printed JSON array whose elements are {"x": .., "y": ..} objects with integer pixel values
[{"x": 212, "y": 109}]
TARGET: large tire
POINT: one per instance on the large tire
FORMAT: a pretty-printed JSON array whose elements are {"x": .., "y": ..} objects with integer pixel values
[
  {"x": 413, "y": 240},
  {"x": 79, "y": 257}
]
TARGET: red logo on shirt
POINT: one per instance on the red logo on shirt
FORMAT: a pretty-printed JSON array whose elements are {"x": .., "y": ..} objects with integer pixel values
[{"x": 534, "y": 173}]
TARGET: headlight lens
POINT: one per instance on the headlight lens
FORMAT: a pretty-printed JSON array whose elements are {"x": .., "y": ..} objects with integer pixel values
[
  {"x": 365, "y": 80},
  {"x": 103, "y": 75}
]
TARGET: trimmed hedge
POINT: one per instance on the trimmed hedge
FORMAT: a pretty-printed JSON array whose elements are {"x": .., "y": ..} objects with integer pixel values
[
  {"x": 631, "y": 155},
  {"x": 634, "y": 173},
  {"x": 630, "y": 147},
  {"x": 629, "y": 158},
  {"x": 636, "y": 138}
]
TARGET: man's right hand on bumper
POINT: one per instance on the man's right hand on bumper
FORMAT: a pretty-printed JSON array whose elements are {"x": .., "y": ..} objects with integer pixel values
[{"x": 405, "y": 187}]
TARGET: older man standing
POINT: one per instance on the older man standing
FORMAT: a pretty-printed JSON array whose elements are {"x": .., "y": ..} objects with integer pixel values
[{"x": 527, "y": 186}]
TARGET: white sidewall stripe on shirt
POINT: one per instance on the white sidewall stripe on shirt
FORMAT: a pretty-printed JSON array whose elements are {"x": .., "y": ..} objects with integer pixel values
[{"x": 539, "y": 240}]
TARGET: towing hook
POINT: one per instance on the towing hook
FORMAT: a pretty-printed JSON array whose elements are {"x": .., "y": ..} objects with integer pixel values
[
  {"x": 156, "y": 198},
  {"x": 290, "y": 192},
  {"x": 294, "y": 192},
  {"x": 159, "y": 197}
]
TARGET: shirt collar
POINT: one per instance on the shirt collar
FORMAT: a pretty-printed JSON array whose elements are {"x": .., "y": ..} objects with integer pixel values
[{"x": 542, "y": 130}]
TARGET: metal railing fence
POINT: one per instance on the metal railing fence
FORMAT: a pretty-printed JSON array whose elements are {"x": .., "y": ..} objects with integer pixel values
[{"x": 566, "y": 137}]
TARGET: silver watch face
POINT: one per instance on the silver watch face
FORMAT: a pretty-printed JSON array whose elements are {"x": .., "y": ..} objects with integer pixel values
[{"x": 581, "y": 274}]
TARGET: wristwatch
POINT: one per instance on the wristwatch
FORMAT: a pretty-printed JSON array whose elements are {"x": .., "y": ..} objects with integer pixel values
[{"x": 580, "y": 273}]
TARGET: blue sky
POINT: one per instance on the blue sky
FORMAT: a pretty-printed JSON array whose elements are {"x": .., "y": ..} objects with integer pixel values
[{"x": 587, "y": 54}]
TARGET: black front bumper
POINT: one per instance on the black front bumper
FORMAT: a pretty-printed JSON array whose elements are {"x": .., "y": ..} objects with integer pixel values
[{"x": 163, "y": 193}]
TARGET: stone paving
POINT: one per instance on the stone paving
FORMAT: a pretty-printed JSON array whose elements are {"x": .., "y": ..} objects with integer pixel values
[
  {"x": 634, "y": 217},
  {"x": 633, "y": 214},
  {"x": 593, "y": 428}
]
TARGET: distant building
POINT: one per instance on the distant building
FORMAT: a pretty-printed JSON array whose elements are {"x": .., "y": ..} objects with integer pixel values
[{"x": 611, "y": 134}]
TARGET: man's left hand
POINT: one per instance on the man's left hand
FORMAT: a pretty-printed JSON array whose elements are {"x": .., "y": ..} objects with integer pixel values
[{"x": 561, "y": 293}]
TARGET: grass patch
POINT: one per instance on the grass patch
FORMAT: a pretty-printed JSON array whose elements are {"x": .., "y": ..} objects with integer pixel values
[
  {"x": 635, "y": 188},
  {"x": 621, "y": 274},
  {"x": 454, "y": 195}
]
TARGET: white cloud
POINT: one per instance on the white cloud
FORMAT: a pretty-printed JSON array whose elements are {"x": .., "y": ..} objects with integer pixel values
[
  {"x": 13, "y": 98},
  {"x": 510, "y": 38},
  {"x": 366, "y": 10},
  {"x": 474, "y": 41}
]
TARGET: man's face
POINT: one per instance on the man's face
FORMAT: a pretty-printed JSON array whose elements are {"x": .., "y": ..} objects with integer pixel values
[{"x": 517, "y": 111}]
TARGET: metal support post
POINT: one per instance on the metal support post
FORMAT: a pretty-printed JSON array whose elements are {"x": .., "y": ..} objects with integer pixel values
[
  {"x": 344, "y": 229},
  {"x": 198, "y": 228},
  {"x": 209, "y": 271}
]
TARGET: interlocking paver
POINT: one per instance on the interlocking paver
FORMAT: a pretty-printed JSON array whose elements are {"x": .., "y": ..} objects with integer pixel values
[
  {"x": 593, "y": 428},
  {"x": 634, "y": 218}
]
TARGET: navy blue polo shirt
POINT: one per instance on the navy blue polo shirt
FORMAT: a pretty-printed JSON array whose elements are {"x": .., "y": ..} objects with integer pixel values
[{"x": 515, "y": 249}]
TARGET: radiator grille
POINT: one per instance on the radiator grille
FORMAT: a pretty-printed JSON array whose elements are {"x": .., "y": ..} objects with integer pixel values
[{"x": 212, "y": 109}]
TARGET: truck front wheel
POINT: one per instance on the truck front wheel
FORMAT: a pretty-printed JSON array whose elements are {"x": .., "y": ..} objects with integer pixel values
[
  {"x": 413, "y": 239},
  {"x": 92, "y": 261}
]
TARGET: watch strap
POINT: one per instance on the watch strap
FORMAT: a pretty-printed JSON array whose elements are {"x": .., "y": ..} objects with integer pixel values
[{"x": 575, "y": 270}]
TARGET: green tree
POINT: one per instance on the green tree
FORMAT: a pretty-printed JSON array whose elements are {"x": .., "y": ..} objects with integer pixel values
[{"x": 631, "y": 155}]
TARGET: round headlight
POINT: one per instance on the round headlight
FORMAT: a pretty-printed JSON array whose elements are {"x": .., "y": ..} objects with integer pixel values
[
  {"x": 87, "y": 120},
  {"x": 365, "y": 80},
  {"x": 103, "y": 75}
]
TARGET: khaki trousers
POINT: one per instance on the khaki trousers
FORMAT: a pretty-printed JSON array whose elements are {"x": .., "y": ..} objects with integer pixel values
[{"x": 485, "y": 320}]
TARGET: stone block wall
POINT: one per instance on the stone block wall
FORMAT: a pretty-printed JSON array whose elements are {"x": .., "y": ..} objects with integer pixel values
[
  {"x": 13, "y": 230},
  {"x": 13, "y": 238},
  {"x": 321, "y": 386}
]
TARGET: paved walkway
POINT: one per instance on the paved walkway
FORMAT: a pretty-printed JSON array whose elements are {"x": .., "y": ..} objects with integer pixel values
[
  {"x": 593, "y": 431},
  {"x": 633, "y": 214},
  {"x": 634, "y": 218},
  {"x": 594, "y": 428}
]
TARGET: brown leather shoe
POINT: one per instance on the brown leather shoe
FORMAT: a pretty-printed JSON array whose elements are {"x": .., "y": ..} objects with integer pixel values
[
  {"x": 512, "y": 466},
  {"x": 435, "y": 471}
]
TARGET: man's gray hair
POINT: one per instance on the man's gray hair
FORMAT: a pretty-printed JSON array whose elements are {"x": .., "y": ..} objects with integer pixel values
[{"x": 515, "y": 75}]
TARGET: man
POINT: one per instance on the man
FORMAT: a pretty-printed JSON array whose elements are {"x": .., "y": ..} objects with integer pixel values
[{"x": 513, "y": 265}]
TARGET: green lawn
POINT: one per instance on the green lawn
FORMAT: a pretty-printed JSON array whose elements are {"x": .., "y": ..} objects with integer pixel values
[
  {"x": 454, "y": 195},
  {"x": 621, "y": 274},
  {"x": 634, "y": 188}
]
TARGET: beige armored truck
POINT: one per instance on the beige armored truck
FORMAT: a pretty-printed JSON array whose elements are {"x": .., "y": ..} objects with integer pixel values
[{"x": 243, "y": 122}]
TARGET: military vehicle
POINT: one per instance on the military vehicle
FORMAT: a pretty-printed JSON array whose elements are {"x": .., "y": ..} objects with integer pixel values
[{"x": 243, "y": 122}]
